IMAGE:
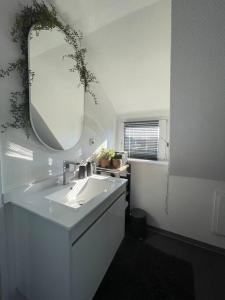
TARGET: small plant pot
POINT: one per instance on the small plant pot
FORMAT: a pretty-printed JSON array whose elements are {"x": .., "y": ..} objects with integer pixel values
[
  {"x": 116, "y": 163},
  {"x": 105, "y": 163}
]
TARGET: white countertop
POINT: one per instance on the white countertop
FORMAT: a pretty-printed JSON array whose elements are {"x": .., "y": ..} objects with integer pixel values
[{"x": 33, "y": 199}]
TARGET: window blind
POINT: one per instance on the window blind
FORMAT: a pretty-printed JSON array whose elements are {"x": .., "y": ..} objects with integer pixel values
[{"x": 141, "y": 139}]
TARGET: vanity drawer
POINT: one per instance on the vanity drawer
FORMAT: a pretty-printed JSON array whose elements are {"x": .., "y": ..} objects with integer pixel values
[{"x": 94, "y": 251}]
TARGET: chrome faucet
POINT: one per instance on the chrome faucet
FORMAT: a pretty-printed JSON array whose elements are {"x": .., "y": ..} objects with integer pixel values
[{"x": 66, "y": 170}]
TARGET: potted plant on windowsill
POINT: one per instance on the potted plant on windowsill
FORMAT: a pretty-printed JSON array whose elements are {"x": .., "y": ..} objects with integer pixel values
[
  {"x": 117, "y": 161},
  {"x": 105, "y": 157}
]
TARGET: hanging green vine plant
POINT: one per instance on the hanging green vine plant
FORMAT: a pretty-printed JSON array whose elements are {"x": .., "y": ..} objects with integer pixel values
[{"x": 40, "y": 17}]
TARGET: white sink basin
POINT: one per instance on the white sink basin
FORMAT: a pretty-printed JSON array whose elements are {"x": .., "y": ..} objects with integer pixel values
[{"x": 82, "y": 191}]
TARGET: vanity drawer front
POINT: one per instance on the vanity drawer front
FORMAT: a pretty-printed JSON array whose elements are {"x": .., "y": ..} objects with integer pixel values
[{"x": 94, "y": 251}]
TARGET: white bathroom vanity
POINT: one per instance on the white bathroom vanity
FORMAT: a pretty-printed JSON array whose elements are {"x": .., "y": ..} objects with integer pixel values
[{"x": 66, "y": 236}]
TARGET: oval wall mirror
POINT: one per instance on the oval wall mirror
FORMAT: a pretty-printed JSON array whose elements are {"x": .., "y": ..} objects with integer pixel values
[{"x": 56, "y": 94}]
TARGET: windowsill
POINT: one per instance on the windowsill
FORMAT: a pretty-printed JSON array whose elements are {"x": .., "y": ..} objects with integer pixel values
[{"x": 152, "y": 162}]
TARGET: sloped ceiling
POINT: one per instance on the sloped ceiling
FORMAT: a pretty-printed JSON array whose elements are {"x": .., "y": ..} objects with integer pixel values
[
  {"x": 91, "y": 15},
  {"x": 128, "y": 49}
]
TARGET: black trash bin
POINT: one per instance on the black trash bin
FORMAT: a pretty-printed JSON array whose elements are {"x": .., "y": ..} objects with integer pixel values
[{"x": 138, "y": 223}]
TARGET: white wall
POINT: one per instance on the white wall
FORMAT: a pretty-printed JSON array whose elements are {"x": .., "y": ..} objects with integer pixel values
[
  {"x": 148, "y": 188},
  {"x": 197, "y": 152},
  {"x": 131, "y": 58},
  {"x": 197, "y": 116},
  {"x": 190, "y": 202},
  {"x": 198, "y": 89}
]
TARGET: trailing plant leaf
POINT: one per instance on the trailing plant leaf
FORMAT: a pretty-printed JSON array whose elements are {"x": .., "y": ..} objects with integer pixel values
[{"x": 39, "y": 17}]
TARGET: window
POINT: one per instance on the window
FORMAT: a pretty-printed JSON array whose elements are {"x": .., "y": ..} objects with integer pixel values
[{"x": 141, "y": 139}]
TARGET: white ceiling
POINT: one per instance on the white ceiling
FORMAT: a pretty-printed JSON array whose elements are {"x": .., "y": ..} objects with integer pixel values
[
  {"x": 90, "y": 15},
  {"x": 128, "y": 49}
]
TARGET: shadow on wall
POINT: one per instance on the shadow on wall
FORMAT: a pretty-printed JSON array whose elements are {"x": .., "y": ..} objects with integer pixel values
[{"x": 23, "y": 165}]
